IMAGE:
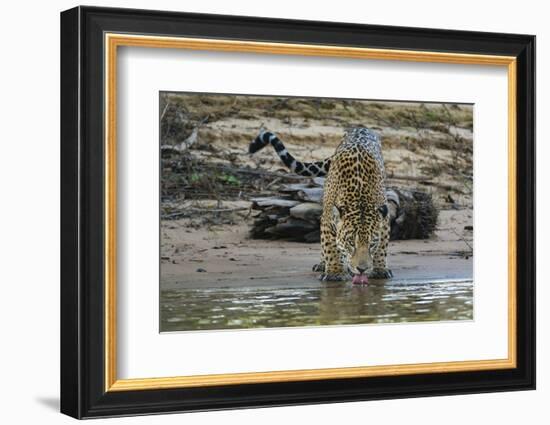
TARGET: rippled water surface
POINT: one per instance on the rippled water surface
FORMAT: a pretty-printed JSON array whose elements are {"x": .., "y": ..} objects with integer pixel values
[{"x": 335, "y": 304}]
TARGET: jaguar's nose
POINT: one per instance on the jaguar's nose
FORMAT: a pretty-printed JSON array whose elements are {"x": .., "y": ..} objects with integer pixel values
[{"x": 360, "y": 270}]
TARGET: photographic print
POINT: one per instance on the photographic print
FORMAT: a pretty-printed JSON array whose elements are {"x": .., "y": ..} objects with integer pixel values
[
  {"x": 289, "y": 212},
  {"x": 324, "y": 190}
]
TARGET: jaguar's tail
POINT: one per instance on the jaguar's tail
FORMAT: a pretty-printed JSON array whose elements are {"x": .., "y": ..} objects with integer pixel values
[{"x": 308, "y": 169}]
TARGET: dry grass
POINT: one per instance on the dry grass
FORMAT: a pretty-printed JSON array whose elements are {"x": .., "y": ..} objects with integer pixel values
[{"x": 426, "y": 146}]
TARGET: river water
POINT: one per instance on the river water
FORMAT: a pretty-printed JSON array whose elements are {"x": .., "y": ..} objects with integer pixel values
[{"x": 324, "y": 304}]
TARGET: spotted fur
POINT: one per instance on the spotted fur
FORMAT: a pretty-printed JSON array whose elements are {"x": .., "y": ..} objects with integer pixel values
[{"x": 355, "y": 225}]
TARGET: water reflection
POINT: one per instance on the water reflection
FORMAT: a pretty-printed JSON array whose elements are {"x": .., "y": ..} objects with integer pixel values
[{"x": 333, "y": 304}]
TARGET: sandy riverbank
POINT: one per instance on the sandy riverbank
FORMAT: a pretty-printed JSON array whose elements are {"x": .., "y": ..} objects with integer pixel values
[{"x": 224, "y": 256}]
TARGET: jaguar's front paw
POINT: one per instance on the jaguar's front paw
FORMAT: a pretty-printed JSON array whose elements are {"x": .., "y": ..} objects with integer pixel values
[
  {"x": 333, "y": 277},
  {"x": 319, "y": 267},
  {"x": 381, "y": 274}
]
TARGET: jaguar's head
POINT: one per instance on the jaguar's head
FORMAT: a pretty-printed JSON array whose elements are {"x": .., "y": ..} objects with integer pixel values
[{"x": 357, "y": 236}]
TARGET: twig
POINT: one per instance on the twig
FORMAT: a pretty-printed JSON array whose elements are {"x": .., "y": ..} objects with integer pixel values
[
  {"x": 404, "y": 177},
  {"x": 203, "y": 210},
  {"x": 462, "y": 239},
  {"x": 189, "y": 141},
  {"x": 164, "y": 110},
  {"x": 259, "y": 172},
  {"x": 275, "y": 181}
]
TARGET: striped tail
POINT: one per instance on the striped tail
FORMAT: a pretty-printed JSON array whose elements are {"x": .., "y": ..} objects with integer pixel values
[{"x": 307, "y": 169}]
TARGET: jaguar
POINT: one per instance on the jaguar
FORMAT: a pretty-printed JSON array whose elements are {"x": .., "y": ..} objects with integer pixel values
[{"x": 355, "y": 226}]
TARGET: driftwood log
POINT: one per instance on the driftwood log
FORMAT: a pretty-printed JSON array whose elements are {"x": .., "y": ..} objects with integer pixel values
[{"x": 295, "y": 214}]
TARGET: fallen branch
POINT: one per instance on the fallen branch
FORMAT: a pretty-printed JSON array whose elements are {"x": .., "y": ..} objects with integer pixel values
[
  {"x": 164, "y": 110},
  {"x": 201, "y": 210},
  {"x": 183, "y": 146},
  {"x": 462, "y": 239},
  {"x": 188, "y": 142},
  {"x": 405, "y": 177},
  {"x": 296, "y": 213}
]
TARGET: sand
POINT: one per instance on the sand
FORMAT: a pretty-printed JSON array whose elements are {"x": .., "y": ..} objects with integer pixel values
[{"x": 224, "y": 256}]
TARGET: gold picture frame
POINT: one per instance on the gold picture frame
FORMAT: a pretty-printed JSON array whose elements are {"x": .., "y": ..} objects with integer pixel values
[{"x": 91, "y": 39}]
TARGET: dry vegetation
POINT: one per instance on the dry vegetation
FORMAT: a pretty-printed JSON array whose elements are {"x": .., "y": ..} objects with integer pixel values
[{"x": 426, "y": 146}]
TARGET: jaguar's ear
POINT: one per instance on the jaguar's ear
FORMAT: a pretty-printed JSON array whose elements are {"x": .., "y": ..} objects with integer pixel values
[
  {"x": 383, "y": 210},
  {"x": 336, "y": 214}
]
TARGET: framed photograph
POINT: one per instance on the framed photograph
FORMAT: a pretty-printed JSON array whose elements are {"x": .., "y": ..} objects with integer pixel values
[{"x": 261, "y": 212}]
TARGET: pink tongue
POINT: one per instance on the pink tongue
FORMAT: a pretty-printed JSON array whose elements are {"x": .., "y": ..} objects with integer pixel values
[{"x": 360, "y": 279}]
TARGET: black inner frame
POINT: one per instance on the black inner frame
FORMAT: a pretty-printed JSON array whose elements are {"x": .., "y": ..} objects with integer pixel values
[{"x": 82, "y": 212}]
